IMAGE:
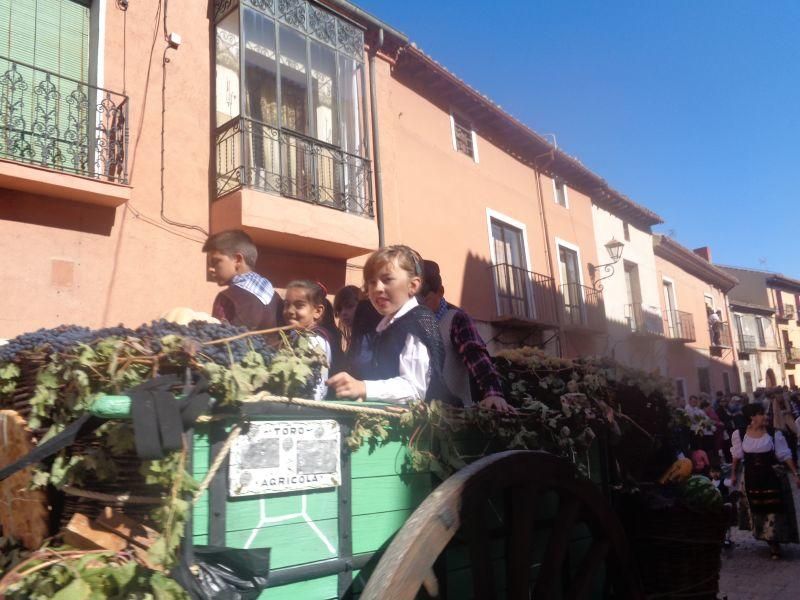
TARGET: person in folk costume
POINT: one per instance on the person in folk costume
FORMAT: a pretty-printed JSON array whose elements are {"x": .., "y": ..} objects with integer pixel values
[{"x": 768, "y": 499}]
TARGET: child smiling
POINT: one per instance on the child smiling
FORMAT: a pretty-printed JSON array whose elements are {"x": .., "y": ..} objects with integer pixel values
[{"x": 407, "y": 350}]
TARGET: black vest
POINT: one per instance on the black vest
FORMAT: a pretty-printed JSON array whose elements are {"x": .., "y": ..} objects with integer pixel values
[{"x": 387, "y": 346}]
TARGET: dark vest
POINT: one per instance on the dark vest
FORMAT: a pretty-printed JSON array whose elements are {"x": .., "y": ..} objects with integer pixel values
[
  {"x": 387, "y": 346},
  {"x": 244, "y": 309}
]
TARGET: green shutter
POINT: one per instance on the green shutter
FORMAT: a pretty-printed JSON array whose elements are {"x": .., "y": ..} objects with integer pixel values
[{"x": 48, "y": 34}]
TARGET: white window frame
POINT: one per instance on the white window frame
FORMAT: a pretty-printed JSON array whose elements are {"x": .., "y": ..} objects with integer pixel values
[
  {"x": 472, "y": 133},
  {"x": 498, "y": 216},
  {"x": 670, "y": 281},
  {"x": 577, "y": 250},
  {"x": 566, "y": 193},
  {"x": 559, "y": 244},
  {"x": 682, "y": 381},
  {"x": 712, "y": 304}
]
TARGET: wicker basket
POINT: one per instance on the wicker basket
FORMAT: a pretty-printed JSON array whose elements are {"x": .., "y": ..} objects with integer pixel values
[{"x": 678, "y": 550}]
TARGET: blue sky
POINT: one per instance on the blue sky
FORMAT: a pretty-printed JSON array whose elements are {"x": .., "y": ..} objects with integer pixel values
[{"x": 689, "y": 107}]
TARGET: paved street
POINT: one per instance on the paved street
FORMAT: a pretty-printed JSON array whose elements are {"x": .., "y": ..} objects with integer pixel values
[{"x": 748, "y": 572}]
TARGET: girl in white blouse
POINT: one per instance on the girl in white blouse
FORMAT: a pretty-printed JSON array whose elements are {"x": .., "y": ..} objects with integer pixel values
[
  {"x": 768, "y": 494},
  {"x": 407, "y": 353}
]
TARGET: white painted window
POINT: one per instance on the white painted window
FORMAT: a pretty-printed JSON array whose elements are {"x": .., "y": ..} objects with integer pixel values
[
  {"x": 463, "y": 136},
  {"x": 508, "y": 248},
  {"x": 560, "y": 192}
]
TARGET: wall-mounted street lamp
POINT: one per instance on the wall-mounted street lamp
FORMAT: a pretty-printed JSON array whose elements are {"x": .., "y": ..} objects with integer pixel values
[{"x": 614, "y": 249}]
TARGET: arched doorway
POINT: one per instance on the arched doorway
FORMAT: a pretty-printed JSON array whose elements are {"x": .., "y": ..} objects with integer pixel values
[{"x": 771, "y": 382}]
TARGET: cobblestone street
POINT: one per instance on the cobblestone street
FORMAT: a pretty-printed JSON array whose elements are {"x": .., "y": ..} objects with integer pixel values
[{"x": 748, "y": 572}]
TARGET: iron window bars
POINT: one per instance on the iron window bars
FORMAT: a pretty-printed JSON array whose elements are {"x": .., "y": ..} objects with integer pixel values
[{"x": 60, "y": 123}]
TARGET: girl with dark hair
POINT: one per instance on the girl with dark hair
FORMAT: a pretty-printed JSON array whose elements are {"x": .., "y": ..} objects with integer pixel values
[
  {"x": 768, "y": 464},
  {"x": 407, "y": 353},
  {"x": 305, "y": 307},
  {"x": 344, "y": 309}
]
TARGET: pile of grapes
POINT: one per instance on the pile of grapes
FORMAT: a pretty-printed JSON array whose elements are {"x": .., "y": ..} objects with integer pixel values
[{"x": 67, "y": 338}]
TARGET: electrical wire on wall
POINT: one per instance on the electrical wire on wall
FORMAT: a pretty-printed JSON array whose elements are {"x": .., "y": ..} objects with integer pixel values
[{"x": 171, "y": 45}]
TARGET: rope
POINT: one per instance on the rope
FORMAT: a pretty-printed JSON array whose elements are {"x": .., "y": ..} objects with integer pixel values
[
  {"x": 392, "y": 411},
  {"x": 220, "y": 458},
  {"x": 127, "y": 498}
]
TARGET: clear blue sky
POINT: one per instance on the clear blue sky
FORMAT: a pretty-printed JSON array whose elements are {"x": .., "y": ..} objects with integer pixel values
[{"x": 690, "y": 107}]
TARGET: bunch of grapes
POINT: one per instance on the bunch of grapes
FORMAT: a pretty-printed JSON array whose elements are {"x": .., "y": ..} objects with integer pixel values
[
  {"x": 56, "y": 340},
  {"x": 203, "y": 332}
]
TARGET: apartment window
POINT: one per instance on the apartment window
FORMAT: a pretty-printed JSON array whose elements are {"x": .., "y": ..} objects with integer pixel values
[
  {"x": 680, "y": 388},
  {"x": 792, "y": 383},
  {"x": 726, "y": 382},
  {"x": 510, "y": 268},
  {"x": 560, "y": 192},
  {"x": 748, "y": 383},
  {"x": 626, "y": 231},
  {"x": 463, "y": 137},
  {"x": 704, "y": 380},
  {"x": 762, "y": 338},
  {"x": 290, "y": 80},
  {"x": 51, "y": 115}
]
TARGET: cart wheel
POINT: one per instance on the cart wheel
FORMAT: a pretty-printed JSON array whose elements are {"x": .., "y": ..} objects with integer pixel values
[
  {"x": 24, "y": 514},
  {"x": 459, "y": 506}
]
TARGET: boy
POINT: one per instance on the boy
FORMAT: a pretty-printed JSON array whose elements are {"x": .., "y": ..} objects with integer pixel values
[
  {"x": 469, "y": 372},
  {"x": 249, "y": 300}
]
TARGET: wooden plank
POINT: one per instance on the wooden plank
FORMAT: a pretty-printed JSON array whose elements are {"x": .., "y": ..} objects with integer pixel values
[
  {"x": 293, "y": 544},
  {"x": 323, "y": 588},
  {"x": 388, "y": 493},
  {"x": 370, "y": 532},
  {"x": 385, "y": 460}
]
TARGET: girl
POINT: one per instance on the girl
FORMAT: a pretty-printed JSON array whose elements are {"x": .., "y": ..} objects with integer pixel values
[
  {"x": 407, "y": 353},
  {"x": 344, "y": 308},
  {"x": 304, "y": 307},
  {"x": 767, "y": 487}
]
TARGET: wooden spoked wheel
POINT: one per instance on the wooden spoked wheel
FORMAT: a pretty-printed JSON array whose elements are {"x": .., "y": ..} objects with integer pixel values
[{"x": 527, "y": 484}]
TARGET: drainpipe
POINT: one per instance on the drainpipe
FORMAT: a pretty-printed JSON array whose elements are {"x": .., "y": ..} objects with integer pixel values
[
  {"x": 550, "y": 265},
  {"x": 376, "y": 147}
]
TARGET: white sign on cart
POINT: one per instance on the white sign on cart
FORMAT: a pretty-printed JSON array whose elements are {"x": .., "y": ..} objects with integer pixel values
[{"x": 285, "y": 456}]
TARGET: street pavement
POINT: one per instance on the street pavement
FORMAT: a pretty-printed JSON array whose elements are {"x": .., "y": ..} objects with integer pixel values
[{"x": 748, "y": 572}]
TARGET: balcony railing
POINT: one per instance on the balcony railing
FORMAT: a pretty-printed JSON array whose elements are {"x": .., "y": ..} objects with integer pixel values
[
  {"x": 644, "y": 321},
  {"x": 720, "y": 335},
  {"x": 255, "y": 155},
  {"x": 747, "y": 344},
  {"x": 522, "y": 294},
  {"x": 63, "y": 124},
  {"x": 581, "y": 307},
  {"x": 787, "y": 312},
  {"x": 793, "y": 355},
  {"x": 679, "y": 325}
]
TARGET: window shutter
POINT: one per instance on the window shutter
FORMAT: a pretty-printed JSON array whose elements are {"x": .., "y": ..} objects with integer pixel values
[{"x": 49, "y": 34}]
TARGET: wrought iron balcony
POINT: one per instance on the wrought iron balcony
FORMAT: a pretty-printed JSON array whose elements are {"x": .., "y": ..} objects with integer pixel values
[
  {"x": 581, "y": 307},
  {"x": 255, "y": 155},
  {"x": 644, "y": 321},
  {"x": 747, "y": 344},
  {"x": 524, "y": 295},
  {"x": 679, "y": 325},
  {"x": 793, "y": 355},
  {"x": 63, "y": 124},
  {"x": 787, "y": 312},
  {"x": 720, "y": 335}
]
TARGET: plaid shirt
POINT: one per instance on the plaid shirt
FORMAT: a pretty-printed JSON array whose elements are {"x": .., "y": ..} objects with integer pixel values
[
  {"x": 257, "y": 285},
  {"x": 472, "y": 349}
]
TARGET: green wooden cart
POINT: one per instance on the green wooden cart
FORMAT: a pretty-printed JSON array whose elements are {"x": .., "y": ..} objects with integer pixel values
[{"x": 349, "y": 525}]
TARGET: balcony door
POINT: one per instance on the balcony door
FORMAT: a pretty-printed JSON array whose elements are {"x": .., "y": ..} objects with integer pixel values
[
  {"x": 44, "y": 69},
  {"x": 569, "y": 271},
  {"x": 634, "y": 292},
  {"x": 511, "y": 270},
  {"x": 671, "y": 307}
]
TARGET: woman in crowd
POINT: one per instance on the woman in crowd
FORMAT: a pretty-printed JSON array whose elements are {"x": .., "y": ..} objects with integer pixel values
[
  {"x": 344, "y": 308},
  {"x": 407, "y": 353},
  {"x": 768, "y": 469}
]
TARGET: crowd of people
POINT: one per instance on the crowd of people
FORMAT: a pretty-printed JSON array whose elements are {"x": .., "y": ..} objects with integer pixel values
[
  {"x": 395, "y": 340},
  {"x": 755, "y": 443}
]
